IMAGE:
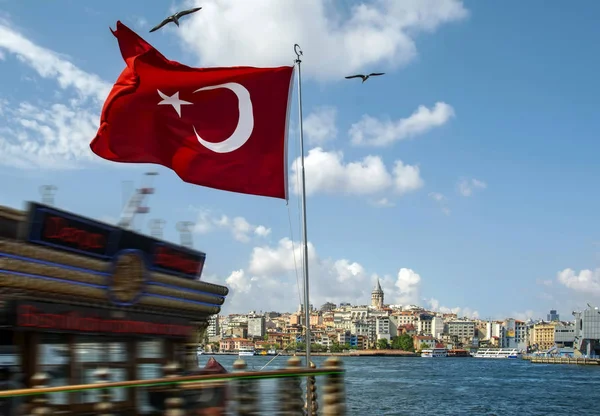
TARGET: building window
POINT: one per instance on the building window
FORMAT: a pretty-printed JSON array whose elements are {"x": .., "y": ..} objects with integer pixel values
[
  {"x": 93, "y": 353},
  {"x": 54, "y": 358},
  {"x": 151, "y": 356}
]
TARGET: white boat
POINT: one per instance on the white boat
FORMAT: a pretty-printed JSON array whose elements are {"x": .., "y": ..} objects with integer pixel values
[
  {"x": 498, "y": 353},
  {"x": 272, "y": 352},
  {"x": 246, "y": 351},
  {"x": 434, "y": 353}
]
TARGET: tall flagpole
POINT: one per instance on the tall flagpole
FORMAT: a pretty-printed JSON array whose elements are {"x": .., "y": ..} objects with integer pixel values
[{"x": 307, "y": 338}]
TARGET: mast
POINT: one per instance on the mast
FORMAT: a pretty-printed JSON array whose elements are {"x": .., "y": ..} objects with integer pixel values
[
  {"x": 134, "y": 205},
  {"x": 307, "y": 337}
]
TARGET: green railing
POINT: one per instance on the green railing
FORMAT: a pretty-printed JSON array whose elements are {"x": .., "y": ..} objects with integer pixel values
[{"x": 290, "y": 391}]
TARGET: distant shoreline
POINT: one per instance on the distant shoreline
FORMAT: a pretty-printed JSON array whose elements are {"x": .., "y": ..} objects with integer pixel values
[{"x": 355, "y": 353}]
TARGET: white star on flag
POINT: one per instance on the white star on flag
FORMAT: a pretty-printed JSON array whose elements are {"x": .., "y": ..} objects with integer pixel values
[{"x": 172, "y": 100}]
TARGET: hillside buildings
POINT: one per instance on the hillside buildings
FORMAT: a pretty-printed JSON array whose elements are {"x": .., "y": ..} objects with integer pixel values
[{"x": 346, "y": 326}]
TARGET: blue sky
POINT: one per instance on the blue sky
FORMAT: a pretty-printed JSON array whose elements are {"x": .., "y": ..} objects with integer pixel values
[{"x": 516, "y": 125}]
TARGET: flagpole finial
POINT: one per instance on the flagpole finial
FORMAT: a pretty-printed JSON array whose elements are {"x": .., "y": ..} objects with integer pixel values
[{"x": 298, "y": 52}]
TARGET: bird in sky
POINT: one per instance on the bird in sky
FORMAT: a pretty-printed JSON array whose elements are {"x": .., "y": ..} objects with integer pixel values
[
  {"x": 175, "y": 18},
  {"x": 365, "y": 77}
]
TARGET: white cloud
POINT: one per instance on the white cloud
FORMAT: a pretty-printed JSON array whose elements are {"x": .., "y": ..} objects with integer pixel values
[
  {"x": 587, "y": 281},
  {"x": 523, "y": 316},
  {"x": 441, "y": 200},
  {"x": 408, "y": 283},
  {"x": 51, "y": 137},
  {"x": 48, "y": 64},
  {"x": 466, "y": 312},
  {"x": 326, "y": 172},
  {"x": 240, "y": 228},
  {"x": 466, "y": 187},
  {"x": 375, "y": 132},
  {"x": 43, "y": 134},
  {"x": 269, "y": 281},
  {"x": 383, "y": 202},
  {"x": 262, "y": 231},
  {"x": 336, "y": 41},
  {"x": 319, "y": 126},
  {"x": 407, "y": 178}
]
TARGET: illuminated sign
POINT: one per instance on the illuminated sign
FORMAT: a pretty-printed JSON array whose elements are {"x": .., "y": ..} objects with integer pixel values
[
  {"x": 57, "y": 229},
  {"x": 67, "y": 318},
  {"x": 164, "y": 257},
  {"x": 71, "y": 233}
]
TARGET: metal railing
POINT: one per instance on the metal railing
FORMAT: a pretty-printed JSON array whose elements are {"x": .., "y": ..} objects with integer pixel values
[{"x": 242, "y": 392}]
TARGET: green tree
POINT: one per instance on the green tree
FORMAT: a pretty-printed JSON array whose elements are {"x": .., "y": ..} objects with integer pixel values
[
  {"x": 383, "y": 344},
  {"x": 423, "y": 346},
  {"x": 335, "y": 347},
  {"x": 266, "y": 337},
  {"x": 404, "y": 342},
  {"x": 317, "y": 347}
]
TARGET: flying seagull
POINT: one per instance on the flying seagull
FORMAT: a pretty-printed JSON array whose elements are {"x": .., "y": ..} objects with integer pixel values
[
  {"x": 366, "y": 77},
  {"x": 175, "y": 18}
]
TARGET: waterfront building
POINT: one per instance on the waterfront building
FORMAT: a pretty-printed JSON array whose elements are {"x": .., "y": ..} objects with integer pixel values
[
  {"x": 424, "y": 324},
  {"x": 405, "y": 318},
  {"x": 461, "y": 329},
  {"x": 424, "y": 339},
  {"x": 360, "y": 328},
  {"x": 587, "y": 331},
  {"x": 408, "y": 329},
  {"x": 347, "y": 338},
  {"x": 213, "y": 329},
  {"x": 324, "y": 340},
  {"x": 235, "y": 344},
  {"x": 437, "y": 326},
  {"x": 564, "y": 334},
  {"x": 256, "y": 326},
  {"x": 542, "y": 336},
  {"x": 521, "y": 335},
  {"x": 236, "y": 328},
  {"x": 382, "y": 328}
]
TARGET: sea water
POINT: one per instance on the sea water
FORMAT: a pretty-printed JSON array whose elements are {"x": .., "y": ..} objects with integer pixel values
[{"x": 453, "y": 386}]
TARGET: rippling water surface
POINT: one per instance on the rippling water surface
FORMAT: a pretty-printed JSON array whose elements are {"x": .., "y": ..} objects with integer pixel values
[{"x": 459, "y": 386}]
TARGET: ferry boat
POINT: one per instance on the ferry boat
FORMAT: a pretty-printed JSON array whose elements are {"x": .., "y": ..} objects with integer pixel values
[
  {"x": 498, "y": 353},
  {"x": 459, "y": 353},
  {"x": 434, "y": 353},
  {"x": 246, "y": 351},
  {"x": 73, "y": 305}
]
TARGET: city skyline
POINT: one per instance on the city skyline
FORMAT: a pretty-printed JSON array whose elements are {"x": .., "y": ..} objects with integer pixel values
[{"x": 457, "y": 178}]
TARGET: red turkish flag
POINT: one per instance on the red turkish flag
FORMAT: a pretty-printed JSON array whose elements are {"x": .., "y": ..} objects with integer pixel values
[{"x": 225, "y": 128}]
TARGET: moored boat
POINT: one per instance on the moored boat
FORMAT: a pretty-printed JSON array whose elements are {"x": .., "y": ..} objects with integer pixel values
[
  {"x": 246, "y": 351},
  {"x": 434, "y": 353},
  {"x": 498, "y": 353},
  {"x": 458, "y": 353}
]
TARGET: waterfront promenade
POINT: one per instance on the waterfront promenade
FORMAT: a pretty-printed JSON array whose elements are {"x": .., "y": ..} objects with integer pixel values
[{"x": 562, "y": 360}]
